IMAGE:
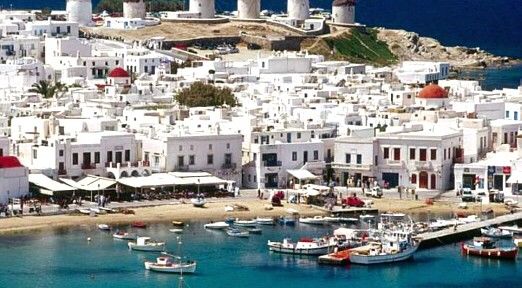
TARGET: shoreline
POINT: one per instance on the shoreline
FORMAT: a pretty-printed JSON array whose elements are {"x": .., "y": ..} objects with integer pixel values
[{"x": 215, "y": 211}]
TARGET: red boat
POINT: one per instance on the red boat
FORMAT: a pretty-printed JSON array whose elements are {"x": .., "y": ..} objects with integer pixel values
[
  {"x": 485, "y": 247},
  {"x": 139, "y": 224}
]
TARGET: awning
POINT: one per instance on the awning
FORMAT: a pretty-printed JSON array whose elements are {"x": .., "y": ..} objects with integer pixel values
[
  {"x": 47, "y": 185},
  {"x": 302, "y": 174},
  {"x": 515, "y": 178},
  {"x": 154, "y": 180},
  {"x": 198, "y": 178},
  {"x": 90, "y": 183}
]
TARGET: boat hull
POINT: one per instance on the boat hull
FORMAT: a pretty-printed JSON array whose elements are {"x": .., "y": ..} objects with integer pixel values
[
  {"x": 147, "y": 248},
  {"x": 496, "y": 253},
  {"x": 379, "y": 259},
  {"x": 174, "y": 268},
  {"x": 123, "y": 237},
  {"x": 275, "y": 247}
]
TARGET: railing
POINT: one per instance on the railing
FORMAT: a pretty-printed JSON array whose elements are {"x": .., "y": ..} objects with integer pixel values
[{"x": 351, "y": 166}]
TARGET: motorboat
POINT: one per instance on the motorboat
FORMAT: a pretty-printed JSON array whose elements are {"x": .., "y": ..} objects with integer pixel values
[
  {"x": 139, "y": 224},
  {"x": 316, "y": 220},
  {"x": 176, "y": 230},
  {"x": 335, "y": 258},
  {"x": 237, "y": 233},
  {"x": 245, "y": 223},
  {"x": 216, "y": 225},
  {"x": 514, "y": 229},
  {"x": 104, "y": 227},
  {"x": 265, "y": 221},
  {"x": 122, "y": 235},
  {"x": 146, "y": 244},
  {"x": 486, "y": 247},
  {"x": 305, "y": 246},
  {"x": 198, "y": 202},
  {"x": 395, "y": 246},
  {"x": 348, "y": 220},
  {"x": 254, "y": 231},
  {"x": 166, "y": 264},
  {"x": 178, "y": 223},
  {"x": 332, "y": 219},
  {"x": 290, "y": 221},
  {"x": 496, "y": 233}
]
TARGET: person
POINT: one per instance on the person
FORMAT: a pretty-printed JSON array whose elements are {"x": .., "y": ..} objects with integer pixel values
[{"x": 258, "y": 193}]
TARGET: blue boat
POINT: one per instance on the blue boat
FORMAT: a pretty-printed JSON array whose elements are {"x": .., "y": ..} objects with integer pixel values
[{"x": 286, "y": 221}]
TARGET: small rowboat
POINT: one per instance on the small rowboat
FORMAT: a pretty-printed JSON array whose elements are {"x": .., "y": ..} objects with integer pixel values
[
  {"x": 198, "y": 202},
  {"x": 237, "y": 233},
  {"x": 485, "y": 247},
  {"x": 176, "y": 230},
  {"x": 336, "y": 258},
  {"x": 216, "y": 225},
  {"x": 254, "y": 231},
  {"x": 104, "y": 227},
  {"x": 265, "y": 221},
  {"x": 122, "y": 235},
  {"x": 245, "y": 223},
  {"x": 139, "y": 224},
  {"x": 166, "y": 264},
  {"x": 177, "y": 223},
  {"x": 146, "y": 244}
]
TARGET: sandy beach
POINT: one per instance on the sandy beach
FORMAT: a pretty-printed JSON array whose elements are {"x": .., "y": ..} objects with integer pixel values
[{"x": 216, "y": 211}]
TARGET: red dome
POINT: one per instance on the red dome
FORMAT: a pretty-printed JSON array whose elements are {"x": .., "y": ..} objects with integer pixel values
[
  {"x": 433, "y": 91},
  {"x": 119, "y": 72},
  {"x": 9, "y": 162}
]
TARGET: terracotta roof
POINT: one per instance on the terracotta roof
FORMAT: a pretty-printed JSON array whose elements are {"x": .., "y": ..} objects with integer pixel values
[
  {"x": 343, "y": 3},
  {"x": 9, "y": 162},
  {"x": 119, "y": 72},
  {"x": 433, "y": 91}
]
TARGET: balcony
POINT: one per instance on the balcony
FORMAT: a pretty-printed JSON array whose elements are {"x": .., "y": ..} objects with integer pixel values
[
  {"x": 231, "y": 166},
  {"x": 272, "y": 163},
  {"x": 88, "y": 166}
]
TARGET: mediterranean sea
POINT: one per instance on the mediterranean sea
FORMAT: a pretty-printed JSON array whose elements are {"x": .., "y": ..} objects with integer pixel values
[{"x": 64, "y": 258}]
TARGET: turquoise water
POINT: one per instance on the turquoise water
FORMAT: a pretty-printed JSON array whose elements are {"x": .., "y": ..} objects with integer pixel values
[{"x": 63, "y": 258}]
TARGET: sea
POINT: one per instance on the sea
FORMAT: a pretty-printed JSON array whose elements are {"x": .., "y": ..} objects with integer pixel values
[
  {"x": 494, "y": 26},
  {"x": 64, "y": 258}
]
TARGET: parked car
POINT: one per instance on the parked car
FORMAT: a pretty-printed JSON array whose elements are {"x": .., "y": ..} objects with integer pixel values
[
  {"x": 374, "y": 192},
  {"x": 467, "y": 195}
]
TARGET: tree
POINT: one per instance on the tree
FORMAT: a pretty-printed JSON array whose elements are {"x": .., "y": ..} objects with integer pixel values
[
  {"x": 200, "y": 94},
  {"x": 44, "y": 88}
]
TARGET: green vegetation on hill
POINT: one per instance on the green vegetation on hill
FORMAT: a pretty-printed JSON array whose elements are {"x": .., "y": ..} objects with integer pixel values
[
  {"x": 357, "y": 46},
  {"x": 152, "y": 5},
  {"x": 200, "y": 94}
]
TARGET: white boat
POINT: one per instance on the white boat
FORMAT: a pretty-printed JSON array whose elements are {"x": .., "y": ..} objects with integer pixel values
[
  {"x": 469, "y": 219},
  {"x": 395, "y": 246},
  {"x": 348, "y": 220},
  {"x": 146, "y": 244},
  {"x": 84, "y": 211},
  {"x": 245, "y": 223},
  {"x": 366, "y": 217},
  {"x": 441, "y": 224},
  {"x": 198, "y": 202},
  {"x": 104, "y": 227},
  {"x": 265, "y": 221},
  {"x": 496, "y": 232},
  {"x": 166, "y": 264},
  {"x": 331, "y": 219},
  {"x": 514, "y": 229},
  {"x": 217, "y": 225},
  {"x": 122, "y": 235},
  {"x": 317, "y": 220},
  {"x": 237, "y": 233},
  {"x": 304, "y": 246},
  {"x": 175, "y": 230}
]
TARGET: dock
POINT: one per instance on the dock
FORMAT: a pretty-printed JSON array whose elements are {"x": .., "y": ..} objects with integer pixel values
[
  {"x": 465, "y": 231},
  {"x": 345, "y": 212}
]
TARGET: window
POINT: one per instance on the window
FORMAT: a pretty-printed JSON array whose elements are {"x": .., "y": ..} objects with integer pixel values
[
  {"x": 210, "y": 159},
  {"x": 422, "y": 154},
  {"x": 386, "y": 153},
  {"x": 515, "y": 115},
  {"x": 348, "y": 158},
  {"x": 412, "y": 153},
  {"x": 75, "y": 159},
  {"x": 359, "y": 159},
  {"x": 109, "y": 156},
  {"x": 294, "y": 156},
  {"x": 181, "y": 161},
  {"x": 433, "y": 154},
  {"x": 445, "y": 154},
  {"x": 192, "y": 160},
  {"x": 507, "y": 114},
  {"x": 228, "y": 158},
  {"x": 180, "y": 148},
  {"x": 35, "y": 154},
  {"x": 156, "y": 160},
  {"x": 96, "y": 157},
  {"x": 316, "y": 155},
  {"x": 396, "y": 154},
  {"x": 60, "y": 153},
  {"x": 127, "y": 155},
  {"x": 228, "y": 145},
  {"x": 191, "y": 147},
  {"x": 298, "y": 135},
  {"x": 209, "y": 146},
  {"x": 413, "y": 178}
]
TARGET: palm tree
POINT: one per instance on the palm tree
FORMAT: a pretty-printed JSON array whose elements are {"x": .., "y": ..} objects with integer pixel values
[
  {"x": 44, "y": 88},
  {"x": 61, "y": 88}
]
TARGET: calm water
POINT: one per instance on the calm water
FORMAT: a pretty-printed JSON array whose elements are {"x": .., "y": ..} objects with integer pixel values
[{"x": 65, "y": 259}]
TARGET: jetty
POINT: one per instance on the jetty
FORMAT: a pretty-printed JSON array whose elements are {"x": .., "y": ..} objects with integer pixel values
[{"x": 465, "y": 231}]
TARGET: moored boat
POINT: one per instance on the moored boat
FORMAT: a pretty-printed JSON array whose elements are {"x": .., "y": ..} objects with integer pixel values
[
  {"x": 233, "y": 232},
  {"x": 175, "y": 230},
  {"x": 216, "y": 225},
  {"x": 265, "y": 221},
  {"x": 166, "y": 264},
  {"x": 514, "y": 229},
  {"x": 104, "y": 227},
  {"x": 335, "y": 258},
  {"x": 254, "y": 231},
  {"x": 198, "y": 202},
  {"x": 122, "y": 235},
  {"x": 139, "y": 224},
  {"x": 316, "y": 220},
  {"x": 486, "y": 247},
  {"x": 518, "y": 242},
  {"x": 496, "y": 233},
  {"x": 146, "y": 244},
  {"x": 290, "y": 221},
  {"x": 305, "y": 246},
  {"x": 245, "y": 223},
  {"x": 178, "y": 223}
]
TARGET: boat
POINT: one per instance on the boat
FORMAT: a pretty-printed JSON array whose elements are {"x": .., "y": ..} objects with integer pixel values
[
  {"x": 366, "y": 217},
  {"x": 230, "y": 220},
  {"x": 198, "y": 202},
  {"x": 104, "y": 227},
  {"x": 335, "y": 258},
  {"x": 237, "y": 233},
  {"x": 85, "y": 211},
  {"x": 139, "y": 224},
  {"x": 486, "y": 247},
  {"x": 178, "y": 223},
  {"x": 146, "y": 244},
  {"x": 394, "y": 246},
  {"x": 175, "y": 230},
  {"x": 331, "y": 219},
  {"x": 245, "y": 223},
  {"x": 514, "y": 229},
  {"x": 518, "y": 241},
  {"x": 348, "y": 220},
  {"x": 316, "y": 220},
  {"x": 290, "y": 221},
  {"x": 265, "y": 221},
  {"x": 216, "y": 225},
  {"x": 166, "y": 264},
  {"x": 305, "y": 246},
  {"x": 496, "y": 233},
  {"x": 468, "y": 219},
  {"x": 122, "y": 235},
  {"x": 254, "y": 231}
]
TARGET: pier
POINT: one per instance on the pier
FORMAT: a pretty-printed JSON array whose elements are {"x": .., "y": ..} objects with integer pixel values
[{"x": 465, "y": 231}]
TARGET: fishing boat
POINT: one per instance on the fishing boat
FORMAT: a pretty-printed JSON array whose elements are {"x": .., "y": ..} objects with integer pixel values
[
  {"x": 198, "y": 202},
  {"x": 122, "y": 235},
  {"x": 139, "y": 224},
  {"x": 245, "y": 223},
  {"x": 254, "y": 231},
  {"x": 166, "y": 264},
  {"x": 104, "y": 227},
  {"x": 335, "y": 258},
  {"x": 290, "y": 221},
  {"x": 518, "y": 241},
  {"x": 514, "y": 229},
  {"x": 486, "y": 247},
  {"x": 176, "y": 230},
  {"x": 146, "y": 244},
  {"x": 316, "y": 220},
  {"x": 496, "y": 233},
  {"x": 332, "y": 219},
  {"x": 216, "y": 226},
  {"x": 237, "y": 233},
  {"x": 395, "y": 246},
  {"x": 178, "y": 223},
  {"x": 265, "y": 221},
  {"x": 305, "y": 246}
]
